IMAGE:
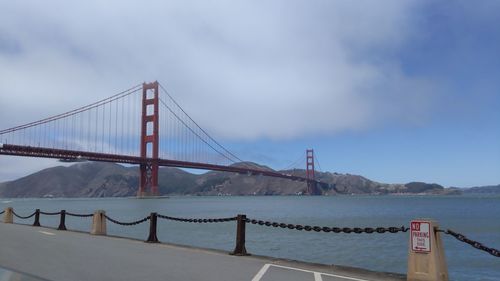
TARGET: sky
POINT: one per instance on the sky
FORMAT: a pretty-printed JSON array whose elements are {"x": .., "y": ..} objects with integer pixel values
[{"x": 396, "y": 91}]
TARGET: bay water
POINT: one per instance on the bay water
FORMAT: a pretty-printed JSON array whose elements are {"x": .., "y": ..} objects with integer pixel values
[{"x": 477, "y": 217}]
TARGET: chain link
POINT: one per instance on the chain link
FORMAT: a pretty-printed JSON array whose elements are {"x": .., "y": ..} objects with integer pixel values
[
  {"x": 50, "y": 213},
  {"x": 475, "y": 244},
  {"x": 357, "y": 230},
  {"x": 326, "y": 229},
  {"x": 197, "y": 220},
  {"x": 23, "y": 217},
  {"x": 79, "y": 215},
  {"x": 128, "y": 223}
]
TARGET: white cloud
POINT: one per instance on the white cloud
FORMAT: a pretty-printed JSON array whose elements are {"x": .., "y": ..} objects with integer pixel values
[{"x": 243, "y": 70}]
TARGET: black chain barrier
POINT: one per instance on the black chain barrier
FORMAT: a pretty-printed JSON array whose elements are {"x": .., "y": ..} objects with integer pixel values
[
  {"x": 79, "y": 215},
  {"x": 241, "y": 219},
  {"x": 23, "y": 217},
  {"x": 475, "y": 244},
  {"x": 356, "y": 230},
  {"x": 50, "y": 213},
  {"x": 240, "y": 248},
  {"x": 197, "y": 220},
  {"x": 127, "y": 223}
]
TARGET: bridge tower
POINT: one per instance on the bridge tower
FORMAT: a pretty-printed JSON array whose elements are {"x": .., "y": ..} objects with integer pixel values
[
  {"x": 149, "y": 140},
  {"x": 311, "y": 183}
]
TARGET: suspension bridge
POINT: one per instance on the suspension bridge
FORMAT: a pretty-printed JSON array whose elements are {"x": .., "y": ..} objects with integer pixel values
[{"x": 143, "y": 126}]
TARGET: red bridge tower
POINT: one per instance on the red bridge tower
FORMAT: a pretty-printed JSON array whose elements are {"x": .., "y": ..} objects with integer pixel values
[
  {"x": 311, "y": 181},
  {"x": 149, "y": 140}
]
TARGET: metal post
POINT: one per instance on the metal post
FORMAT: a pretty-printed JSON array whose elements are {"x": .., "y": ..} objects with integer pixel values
[
  {"x": 152, "y": 229},
  {"x": 240, "y": 249},
  {"x": 37, "y": 218},
  {"x": 62, "y": 223}
]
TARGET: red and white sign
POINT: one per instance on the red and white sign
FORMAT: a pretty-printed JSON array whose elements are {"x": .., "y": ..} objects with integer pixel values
[{"x": 420, "y": 236}]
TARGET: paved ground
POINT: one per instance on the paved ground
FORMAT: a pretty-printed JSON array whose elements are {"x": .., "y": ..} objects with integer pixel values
[{"x": 66, "y": 255}]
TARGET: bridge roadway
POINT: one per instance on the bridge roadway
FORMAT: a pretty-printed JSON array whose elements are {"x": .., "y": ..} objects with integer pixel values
[
  {"x": 72, "y": 155},
  {"x": 68, "y": 255}
]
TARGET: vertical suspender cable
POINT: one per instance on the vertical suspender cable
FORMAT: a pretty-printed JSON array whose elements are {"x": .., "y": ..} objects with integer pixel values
[
  {"x": 63, "y": 133},
  {"x": 109, "y": 129},
  {"x": 96, "y": 130},
  {"x": 116, "y": 128},
  {"x": 133, "y": 148},
  {"x": 80, "y": 137},
  {"x": 128, "y": 126},
  {"x": 57, "y": 134},
  {"x": 88, "y": 132},
  {"x": 103, "y": 127},
  {"x": 35, "y": 136},
  {"x": 72, "y": 130},
  {"x": 121, "y": 130}
]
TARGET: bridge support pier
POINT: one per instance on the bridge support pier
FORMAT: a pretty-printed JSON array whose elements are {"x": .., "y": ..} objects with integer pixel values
[{"x": 149, "y": 179}]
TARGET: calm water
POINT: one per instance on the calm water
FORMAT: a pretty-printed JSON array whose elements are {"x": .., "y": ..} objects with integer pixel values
[{"x": 478, "y": 217}]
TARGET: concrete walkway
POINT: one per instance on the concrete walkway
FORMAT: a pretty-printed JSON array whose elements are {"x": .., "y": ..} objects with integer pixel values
[{"x": 67, "y": 255}]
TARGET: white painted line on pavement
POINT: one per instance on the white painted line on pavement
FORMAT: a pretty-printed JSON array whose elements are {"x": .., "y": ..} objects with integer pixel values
[
  {"x": 47, "y": 233},
  {"x": 261, "y": 272},
  {"x": 310, "y": 271},
  {"x": 317, "y": 277}
]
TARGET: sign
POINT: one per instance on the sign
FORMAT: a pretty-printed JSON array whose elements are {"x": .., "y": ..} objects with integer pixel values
[{"x": 420, "y": 236}]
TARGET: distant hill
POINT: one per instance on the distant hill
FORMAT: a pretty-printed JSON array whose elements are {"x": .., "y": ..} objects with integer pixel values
[
  {"x": 92, "y": 179},
  {"x": 98, "y": 179},
  {"x": 490, "y": 189}
]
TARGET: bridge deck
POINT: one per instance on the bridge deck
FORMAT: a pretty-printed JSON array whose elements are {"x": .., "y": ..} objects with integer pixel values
[{"x": 68, "y": 255}]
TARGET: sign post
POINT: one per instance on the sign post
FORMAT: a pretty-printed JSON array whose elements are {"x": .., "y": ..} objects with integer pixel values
[{"x": 426, "y": 260}]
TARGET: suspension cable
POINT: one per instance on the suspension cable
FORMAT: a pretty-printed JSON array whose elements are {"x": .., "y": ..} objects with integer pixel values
[
  {"x": 300, "y": 159},
  {"x": 196, "y": 124},
  {"x": 184, "y": 123},
  {"x": 75, "y": 111},
  {"x": 317, "y": 161}
]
